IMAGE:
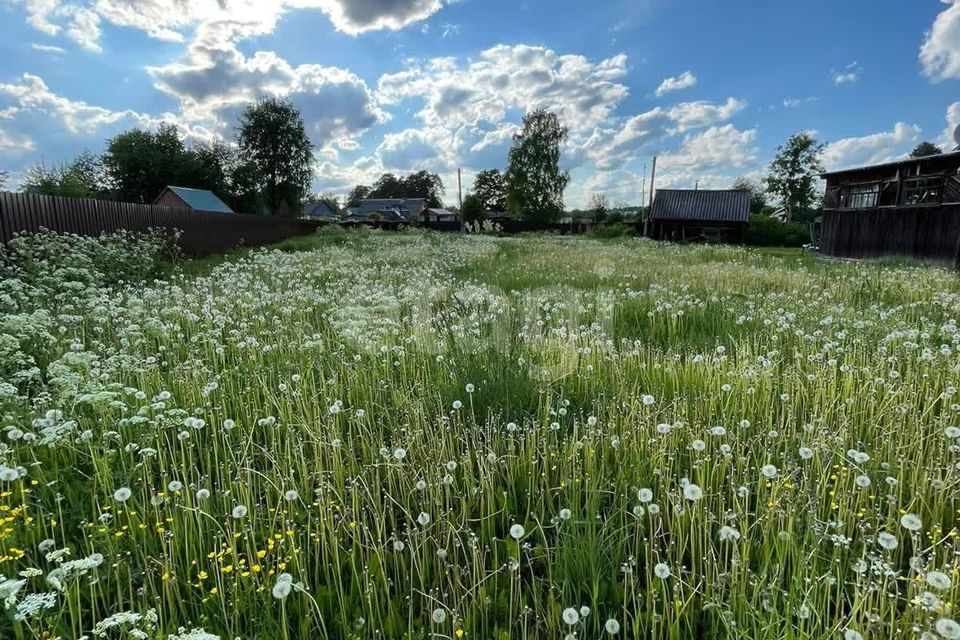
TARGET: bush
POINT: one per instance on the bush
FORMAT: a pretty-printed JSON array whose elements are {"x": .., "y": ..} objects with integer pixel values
[
  {"x": 616, "y": 230},
  {"x": 767, "y": 232}
]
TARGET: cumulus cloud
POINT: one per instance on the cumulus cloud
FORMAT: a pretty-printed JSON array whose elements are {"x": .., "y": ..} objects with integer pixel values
[
  {"x": 11, "y": 142},
  {"x": 217, "y": 81},
  {"x": 54, "y": 17},
  {"x": 684, "y": 81},
  {"x": 648, "y": 131},
  {"x": 876, "y": 148},
  {"x": 506, "y": 78},
  {"x": 30, "y": 95},
  {"x": 716, "y": 147},
  {"x": 947, "y": 139},
  {"x": 169, "y": 20},
  {"x": 940, "y": 53}
]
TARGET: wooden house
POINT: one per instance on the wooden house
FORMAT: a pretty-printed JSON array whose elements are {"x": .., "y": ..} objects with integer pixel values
[{"x": 907, "y": 208}]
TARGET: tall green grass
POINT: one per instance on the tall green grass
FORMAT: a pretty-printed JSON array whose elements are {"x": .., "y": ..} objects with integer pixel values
[{"x": 372, "y": 435}]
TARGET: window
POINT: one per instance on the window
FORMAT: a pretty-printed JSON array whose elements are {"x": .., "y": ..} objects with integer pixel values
[
  {"x": 861, "y": 196},
  {"x": 919, "y": 191}
]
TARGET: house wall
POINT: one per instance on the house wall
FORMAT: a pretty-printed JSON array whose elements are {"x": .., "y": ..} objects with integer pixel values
[
  {"x": 693, "y": 230},
  {"x": 170, "y": 199},
  {"x": 929, "y": 233}
]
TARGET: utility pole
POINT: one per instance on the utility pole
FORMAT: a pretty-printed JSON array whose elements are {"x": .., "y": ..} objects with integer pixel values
[
  {"x": 653, "y": 190},
  {"x": 643, "y": 189},
  {"x": 460, "y": 191}
]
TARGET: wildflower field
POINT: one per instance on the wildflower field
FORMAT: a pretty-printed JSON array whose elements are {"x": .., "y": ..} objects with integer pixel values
[{"x": 415, "y": 435}]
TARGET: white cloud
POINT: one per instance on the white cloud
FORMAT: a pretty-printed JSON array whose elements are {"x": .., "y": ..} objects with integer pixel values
[
  {"x": 411, "y": 150},
  {"x": 169, "y": 19},
  {"x": 790, "y": 103},
  {"x": 507, "y": 78},
  {"x": 10, "y": 142},
  {"x": 717, "y": 147},
  {"x": 850, "y": 74},
  {"x": 947, "y": 140},
  {"x": 31, "y": 95},
  {"x": 648, "y": 131},
  {"x": 358, "y": 16},
  {"x": 53, "y": 17},
  {"x": 217, "y": 81},
  {"x": 47, "y": 48},
  {"x": 684, "y": 81},
  {"x": 940, "y": 53},
  {"x": 876, "y": 148}
]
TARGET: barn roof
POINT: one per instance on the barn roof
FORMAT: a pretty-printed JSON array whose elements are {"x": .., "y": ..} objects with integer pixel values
[
  {"x": 938, "y": 159},
  {"x": 701, "y": 205},
  {"x": 201, "y": 200}
]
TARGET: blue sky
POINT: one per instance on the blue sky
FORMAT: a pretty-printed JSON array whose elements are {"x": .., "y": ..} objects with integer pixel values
[{"x": 710, "y": 87}]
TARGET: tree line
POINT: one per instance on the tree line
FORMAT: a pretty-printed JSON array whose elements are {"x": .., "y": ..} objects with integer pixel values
[{"x": 267, "y": 170}]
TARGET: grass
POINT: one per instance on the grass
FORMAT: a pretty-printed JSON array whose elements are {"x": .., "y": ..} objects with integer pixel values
[{"x": 408, "y": 435}]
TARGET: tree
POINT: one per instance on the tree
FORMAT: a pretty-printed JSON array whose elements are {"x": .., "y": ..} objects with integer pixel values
[
  {"x": 534, "y": 180},
  {"x": 926, "y": 149},
  {"x": 489, "y": 188},
  {"x": 4, "y": 176},
  {"x": 388, "y": 186},
  {"x": 600, "y": 206},
  {"x": 472, "y": 208},
  {"x": 357, "y": 195},
  {"x": 758, "y": 198},
  {"x": 795, "y": 173},
  {"x": 273, "y": 140},
  {"x": 82, "y": 177},
  {"x": 245, "y": 195},
  {"x": 212, "y": 164},
  {"x": 423, "y": 184},
  {"x": 141, "y": 163}
]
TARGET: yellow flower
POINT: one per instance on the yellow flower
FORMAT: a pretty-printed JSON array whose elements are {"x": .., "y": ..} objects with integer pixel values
[
  {"x": 202, "y": 575},
  {"x": 459, "y": 633}
]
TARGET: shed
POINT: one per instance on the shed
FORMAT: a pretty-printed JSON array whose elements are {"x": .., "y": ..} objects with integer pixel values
[
  {"x": 438, "y": 215},
  {"x": 909, "y": 207},
  {"x": 700, "y": 215},
  {"x": 193, "y": 199}
]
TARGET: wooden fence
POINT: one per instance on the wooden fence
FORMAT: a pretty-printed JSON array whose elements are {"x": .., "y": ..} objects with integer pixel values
[
  {"x": 202, "y": 233},
  {"x": 923, "y": 233}
]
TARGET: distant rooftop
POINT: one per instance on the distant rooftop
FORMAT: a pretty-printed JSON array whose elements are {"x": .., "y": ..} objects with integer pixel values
[
  {"x": 731, "y": 205},
  {"x": 952, "y": 156},
  {"x": 200, "y": 199}
]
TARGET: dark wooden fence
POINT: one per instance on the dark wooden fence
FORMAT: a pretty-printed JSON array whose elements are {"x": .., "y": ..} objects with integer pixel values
[
  {"x": 507, "y": 227},
  {"x": 922, "y": 233},
  {"x": 202, "y": 233}
]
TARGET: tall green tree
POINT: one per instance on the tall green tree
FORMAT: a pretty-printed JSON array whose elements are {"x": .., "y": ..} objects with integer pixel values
[
  {"x": 535, "y": 183},
  {"x": 795, "y": 172},
  {"x": 758, "y": 197},
  {"x": 426, "y": 185},
  {"x": 357, "y": 195},
  {"x": 272, "y": 138},
  {"x": 388, "y": 186},
  {"x": 489, "y": 187},
  {"x": 140, "y": 163},
  {"x": 924, "y": 149},
  {"x": 472, "y": 208},
  {"x": 212, "y": 165}
]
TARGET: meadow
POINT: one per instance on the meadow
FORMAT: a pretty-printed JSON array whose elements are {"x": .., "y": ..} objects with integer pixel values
[{"x": 417, "y": 435}]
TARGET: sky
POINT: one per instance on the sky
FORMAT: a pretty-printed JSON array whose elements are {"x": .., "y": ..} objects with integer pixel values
[{"x": 711, "y": 87}]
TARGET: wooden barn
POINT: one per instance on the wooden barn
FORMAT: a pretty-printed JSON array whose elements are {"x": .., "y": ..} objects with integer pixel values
[
  {"x": 908, "y": 208},
  {"x": 699, "y": 215}
]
